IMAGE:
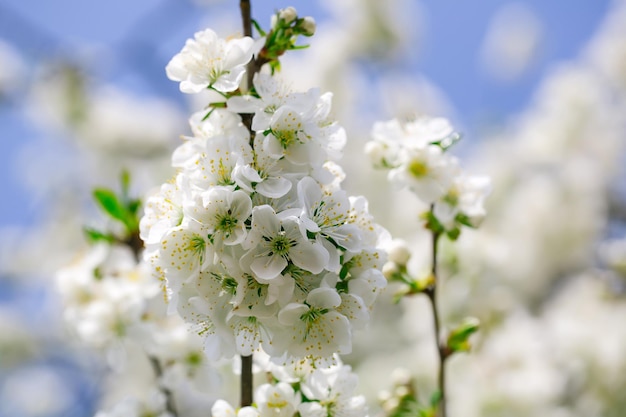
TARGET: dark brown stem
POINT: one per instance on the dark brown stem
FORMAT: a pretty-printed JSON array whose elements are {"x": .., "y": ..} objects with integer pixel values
[
  {"x": 442, "y": 351},
  {"x": 246, "y": 361},
  {"x": 246, "y": 20},
  {"x": 169, "y": 396},
  {"x": 246, "y": 381}
]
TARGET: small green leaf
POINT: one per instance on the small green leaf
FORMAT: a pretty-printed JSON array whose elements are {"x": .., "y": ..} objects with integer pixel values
[
  {"x": 453, "y": 234},
  {"x": 133, "y": 206},
  {"x": 109, "y": 202},
  {"x": 458, "y": 340},
  {"x": 112, "y": 205},
  {"x": 431, "y": 222},
  {"x": 125, "y": 182},
  {"x": 435, "y": 399},
  {"x": 94, "y": 236}
]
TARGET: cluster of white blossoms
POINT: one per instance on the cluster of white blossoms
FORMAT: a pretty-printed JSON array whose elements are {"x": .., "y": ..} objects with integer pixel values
[
  {"x": 113, "y": 303},
  {"x": 302, "y": 391},
  {"x": 415, "y": 154},
  {"x": 259, "y": 246}
]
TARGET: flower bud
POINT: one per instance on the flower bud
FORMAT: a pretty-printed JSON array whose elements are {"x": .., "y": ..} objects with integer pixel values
[
  {"x": 390, "y": 269},
  {"x": 398, "y": 252},
  {"x": 308, "y": 26},
  {"x": 376, "y": 152},
  {"x": 288, "y": 14}
]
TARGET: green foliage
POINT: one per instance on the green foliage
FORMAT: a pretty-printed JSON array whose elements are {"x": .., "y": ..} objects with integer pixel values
[
  {"x": 458, "y": 339},
  {"x": 281, "y": 38},
  {"x": 121, "y": 208}
]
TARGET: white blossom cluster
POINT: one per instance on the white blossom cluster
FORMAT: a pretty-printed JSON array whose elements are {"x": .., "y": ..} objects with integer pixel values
[
  {"x": 302, "y": 391},
  {"x": 415, "y": 154},
  {"x": 113, "y": 303},
  {"x": 259, "y": 246}
]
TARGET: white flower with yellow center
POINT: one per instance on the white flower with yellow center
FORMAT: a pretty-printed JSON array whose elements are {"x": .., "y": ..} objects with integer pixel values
[
  {"x": 331, "y": 394},
  {"x": 223, "y": 215},
  {"x": 314, "y": 328},
  {"x": 274, "y": 243},
  {"x": 278, "y": 400},
  {"x": 428, "y": 172},
  {"x": 209, "y": 61}
]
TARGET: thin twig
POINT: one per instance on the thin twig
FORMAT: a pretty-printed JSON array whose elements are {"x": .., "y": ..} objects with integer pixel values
[
  {"x": 431, "y": 292},
  {"x": 169, "y": 395}
]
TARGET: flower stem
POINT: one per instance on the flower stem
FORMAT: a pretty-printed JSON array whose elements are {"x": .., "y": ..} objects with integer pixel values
[
  {"x": 170, "y": 407},
  {"x": 431, "y": 292},
  {"x": 246, "y": 380}
]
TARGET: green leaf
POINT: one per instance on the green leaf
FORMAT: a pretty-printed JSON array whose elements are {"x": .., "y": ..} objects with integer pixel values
[
  {"x": 458, "y": 340},
  {"x": 112, "y": 205},
  {"x": 453, "y": 234},
  {"x": 94, "y": 236},
  {"x": 133, "y": 206},
  {"x": 109, "y": 202}
]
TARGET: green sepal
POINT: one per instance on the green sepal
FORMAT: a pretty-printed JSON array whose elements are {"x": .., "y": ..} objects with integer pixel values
[
  {"x": 458, "y": 340},
  {"x": 432, "y": 223},
  {"x": 464, "y": 220},
  {"x": 453, "y": 234},
  {"x": 448, "y": 141},
  {"x": 258, "y": 28}
]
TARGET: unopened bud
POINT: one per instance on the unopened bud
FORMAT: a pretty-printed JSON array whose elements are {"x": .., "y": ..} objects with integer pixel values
[
  {"x": 398, "y": 252},
  {"x": 308, "y": 26},
  {"x": 288, "y": 14},
  {"x": 401, "y": 376},
  {"x": 376, "y": 152},
  {"x": 390, "y": 269}
]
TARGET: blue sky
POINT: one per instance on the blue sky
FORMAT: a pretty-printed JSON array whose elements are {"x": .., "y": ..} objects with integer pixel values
[{"x": 151, "y": 31}]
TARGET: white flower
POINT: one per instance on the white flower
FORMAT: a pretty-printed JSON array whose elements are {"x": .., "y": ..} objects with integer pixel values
[
  {"x": 153, "y": 405},
  {"x": 331, "y": 394},
  {"x": 327, "y": 213},
  {"x": 394, "y": 135},
  {"x": 465, "y": 196},
  {"x": 264, "y": 175},
  {"x": 181, "y": 255},
  {"x": 163, "y": 211},
  {"x": 224, "y": 214},
  {"x": 315, "y": 329},
  {"x": 274, "y": 243},
  {"x": 278, "y": 400},
  {"x": 428, "y": 172},
  {"x": 208, "y": 61},
  {"x": 222, "y": 409}
]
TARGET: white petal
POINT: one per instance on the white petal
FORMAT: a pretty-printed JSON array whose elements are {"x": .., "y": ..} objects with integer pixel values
[
  {"x": 309, "y": 256},
  {"x": 324, "y": 297},
  {"x": 268, "y": 267}
]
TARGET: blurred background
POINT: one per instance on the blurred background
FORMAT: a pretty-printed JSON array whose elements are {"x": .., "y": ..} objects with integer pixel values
[{"x": 536, "y": 88}]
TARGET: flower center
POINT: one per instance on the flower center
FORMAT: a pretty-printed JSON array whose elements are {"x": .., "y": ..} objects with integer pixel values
[
  {"x": 418, "y": 169},
  {"x": 285, "y": 137},
  {"x": 227, "y": 223},
  {"x": 281, "y": 244}
]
